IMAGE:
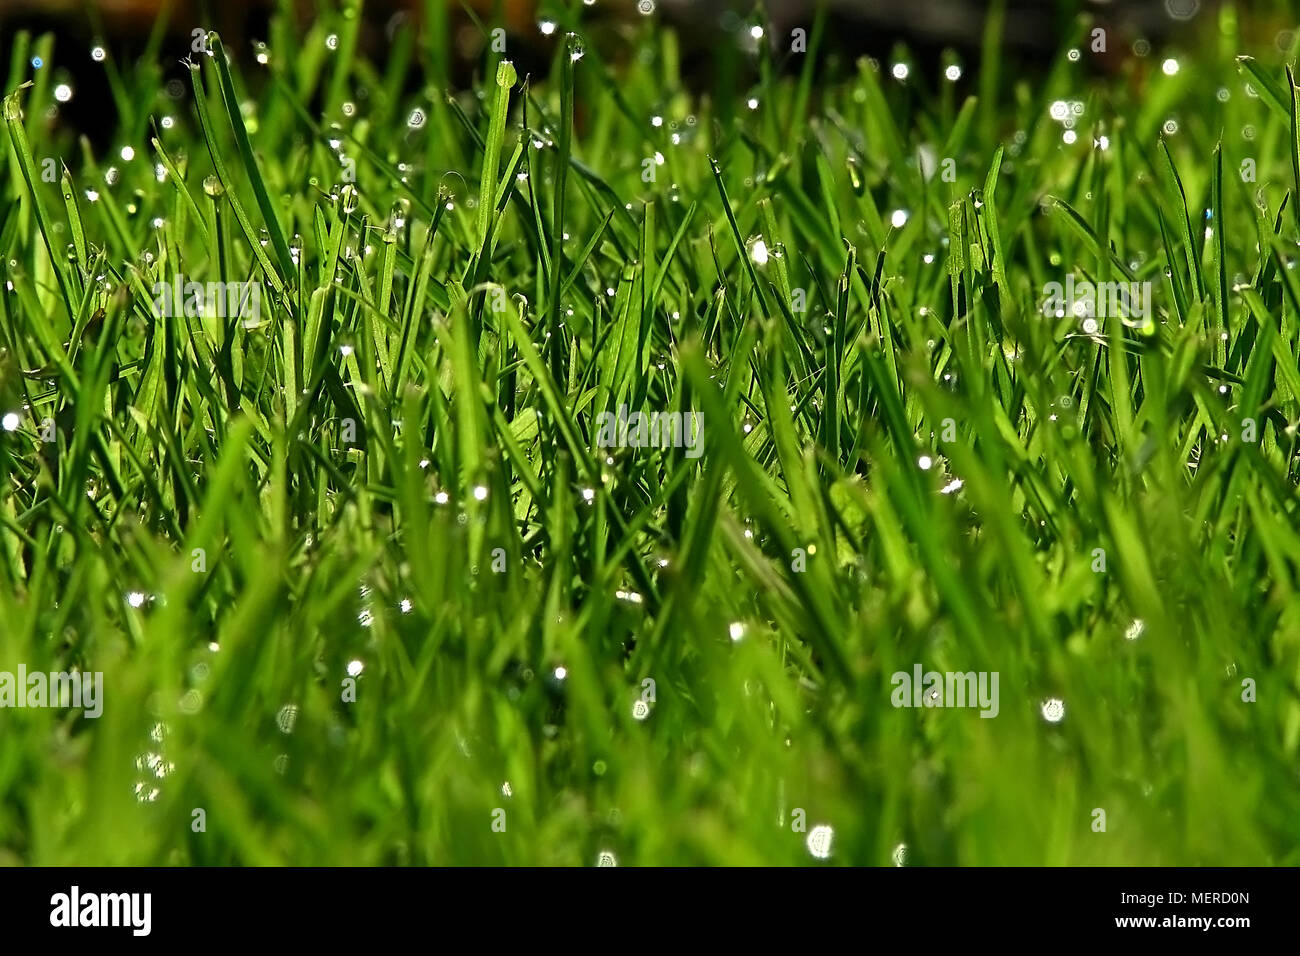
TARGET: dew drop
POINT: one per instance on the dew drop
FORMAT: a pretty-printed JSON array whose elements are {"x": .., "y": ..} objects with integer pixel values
[
  {"x": 286, "y": 717},
  {"x": 819, "y": 841}
]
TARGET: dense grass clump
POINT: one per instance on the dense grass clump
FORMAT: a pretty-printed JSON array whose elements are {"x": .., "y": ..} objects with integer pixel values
[{"x": 365, "y": 588}]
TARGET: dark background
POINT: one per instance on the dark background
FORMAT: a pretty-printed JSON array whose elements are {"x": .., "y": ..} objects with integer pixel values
[{"x": 930, "y": 29}]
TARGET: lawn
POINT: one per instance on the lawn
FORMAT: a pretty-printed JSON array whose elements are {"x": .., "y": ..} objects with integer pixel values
[{"x": 304, "y": 377}]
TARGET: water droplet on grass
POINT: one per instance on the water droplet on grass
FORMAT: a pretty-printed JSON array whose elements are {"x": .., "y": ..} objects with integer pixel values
[
  {"x": 819, "y": 841},
  {"x": 286, "y": 717}
]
